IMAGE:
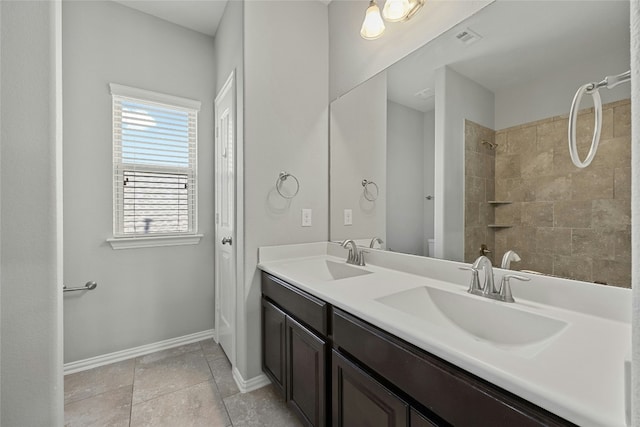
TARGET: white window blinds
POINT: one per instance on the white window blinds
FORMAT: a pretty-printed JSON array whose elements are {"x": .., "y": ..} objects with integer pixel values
[{"x": 154, "y": 163}]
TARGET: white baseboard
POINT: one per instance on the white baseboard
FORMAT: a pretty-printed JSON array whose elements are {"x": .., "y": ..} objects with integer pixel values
[
  {"x": 118, "y": 356},
  {"x": 251, "y": 384}
]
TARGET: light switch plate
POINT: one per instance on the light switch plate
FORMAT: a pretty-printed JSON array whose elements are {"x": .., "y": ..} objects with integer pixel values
[
  {"x": 348, "y": 217},
  {"x": 306, "y": 217}
]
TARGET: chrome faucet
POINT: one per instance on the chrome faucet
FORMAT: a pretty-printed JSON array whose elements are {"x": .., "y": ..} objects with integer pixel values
[
  {"x": 508, "y": 257},
  {"x": 354, "y": 255},
  {"x": 374, "y": 240},
  {"x": 488, "y": 289}
]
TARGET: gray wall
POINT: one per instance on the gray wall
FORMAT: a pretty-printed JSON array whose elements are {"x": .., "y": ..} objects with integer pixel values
[
  {"x": 551, "y": 94},
  {"x": 144, "y": 295},
  {"x": 286, "y": 122},
  {"x": 353, "y": 60},
  {"x": 229, "y": 56},
  {"x": 358, "y": 151},
  {"x": 31, "y": 353},
  {"x": 405, "y": 179},
  {"x": 457, "y": 99}
]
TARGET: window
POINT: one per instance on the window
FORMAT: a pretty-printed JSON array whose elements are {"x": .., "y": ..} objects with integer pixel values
[{"x": 154, "y": 163}]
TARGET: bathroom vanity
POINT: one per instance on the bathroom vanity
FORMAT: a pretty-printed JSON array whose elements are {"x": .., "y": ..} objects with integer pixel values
[{"x": 349, "y": 345}]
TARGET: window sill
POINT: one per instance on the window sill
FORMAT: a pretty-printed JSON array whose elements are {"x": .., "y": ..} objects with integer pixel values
[{"x": 154, "y": 241}]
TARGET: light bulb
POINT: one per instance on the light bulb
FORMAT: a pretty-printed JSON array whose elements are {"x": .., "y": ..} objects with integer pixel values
[
  {"x": 395, "y": 10},
  {"x": 373, "y": 26}
]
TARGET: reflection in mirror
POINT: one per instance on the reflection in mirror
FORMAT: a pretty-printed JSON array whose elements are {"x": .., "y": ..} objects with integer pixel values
[{"x": 467, "y": 141}]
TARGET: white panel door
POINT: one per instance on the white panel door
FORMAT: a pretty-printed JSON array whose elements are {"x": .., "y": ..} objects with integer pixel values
[{"x": 225, "y": 258}]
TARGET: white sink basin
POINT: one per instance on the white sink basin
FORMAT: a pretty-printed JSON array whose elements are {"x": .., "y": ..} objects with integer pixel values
[
  {"x": 325, "y": 270},
  {"x": 500, "y": 324}
]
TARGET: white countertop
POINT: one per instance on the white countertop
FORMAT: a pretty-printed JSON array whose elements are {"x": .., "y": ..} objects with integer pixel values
[{"x": 577, "y": 375}]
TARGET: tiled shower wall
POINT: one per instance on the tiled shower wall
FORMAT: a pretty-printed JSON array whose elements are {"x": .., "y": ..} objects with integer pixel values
[
  {"x": 565, "y": 221},
  {"x": 479, "y": 173}
]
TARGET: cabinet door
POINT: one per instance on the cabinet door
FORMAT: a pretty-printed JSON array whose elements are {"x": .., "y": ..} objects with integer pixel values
[
  {"x": 306, "y": 376},
  {"x": 359, "y": 400},
  {"x": 273, "y": 344},
  {"x": 419, "y": 420}
]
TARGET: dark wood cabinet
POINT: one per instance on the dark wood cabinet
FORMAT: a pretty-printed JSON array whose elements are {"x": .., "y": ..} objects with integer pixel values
[
  {"x": 358, "y": 400},
  {"x": 372, "y": 378},
  {"x": 273, "y": 344},
  {"x": 306, "y": 382},
  {"x": 295, "y": 348}
]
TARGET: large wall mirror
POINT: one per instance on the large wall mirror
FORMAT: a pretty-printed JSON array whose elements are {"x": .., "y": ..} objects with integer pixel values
[{"x": 463, "y": 145}]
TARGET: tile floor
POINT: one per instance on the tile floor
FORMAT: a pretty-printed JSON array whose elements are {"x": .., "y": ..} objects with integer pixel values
[{"x": 184, "y": 386}]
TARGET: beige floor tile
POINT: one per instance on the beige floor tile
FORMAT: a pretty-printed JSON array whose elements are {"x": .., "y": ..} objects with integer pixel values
[
  {"x": 107, "y": 409},
  {"x": 97, "y": 381},
  {"x": 199, "y": 405},
  {"x": 212, "y": 350},
  {"x": 221, "y": 370},
  {"x": 169, "y": 375},
  {"x": 262, "y": 407},
  {"x": 164, "y": 354}
]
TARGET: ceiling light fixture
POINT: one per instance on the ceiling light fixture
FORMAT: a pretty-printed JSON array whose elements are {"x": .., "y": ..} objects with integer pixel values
[
  {"x": 373, "y": 26},
  {"x": 393, "y": 11}
]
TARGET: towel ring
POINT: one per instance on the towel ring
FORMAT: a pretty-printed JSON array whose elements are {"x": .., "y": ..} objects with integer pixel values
[
  {"x": 367, "y": 194},
  {"x": 282, "y": 177},
  {"x": 592, "y": 90}
]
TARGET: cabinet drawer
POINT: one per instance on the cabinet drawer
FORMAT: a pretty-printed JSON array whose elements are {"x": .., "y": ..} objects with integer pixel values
[
  {"x": 437, "y": 385},
  {"x": 301, "y": 305}
]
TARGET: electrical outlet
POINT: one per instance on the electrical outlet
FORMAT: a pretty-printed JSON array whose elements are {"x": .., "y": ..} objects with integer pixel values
[
  {"x": 348, "y": 217},
  {"x": 306, "y": 217}
]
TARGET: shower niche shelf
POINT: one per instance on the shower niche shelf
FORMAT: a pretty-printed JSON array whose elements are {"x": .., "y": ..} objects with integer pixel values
[
  {"x": 499, "y": 202},
  {"x": 499, "y": 226}
]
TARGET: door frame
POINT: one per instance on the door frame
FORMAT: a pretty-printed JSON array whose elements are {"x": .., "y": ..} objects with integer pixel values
[{"x": 238, "y": 235}]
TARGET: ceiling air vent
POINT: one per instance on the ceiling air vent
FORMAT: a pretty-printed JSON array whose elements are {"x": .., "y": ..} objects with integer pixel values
[
  {"x": 424, "y": 94},
  {"x": 468, "y": 36}
]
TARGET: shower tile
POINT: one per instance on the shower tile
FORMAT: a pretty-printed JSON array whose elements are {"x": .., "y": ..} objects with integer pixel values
[
  {"x": 552, "y": 134},
  {"x": 622, "y": 120},
  {"x": 471, "y": 214},
  {"x": 508, "y": 166},
  {"x": 508, "y": 214},
  {"x": 590, "y": 243},
  {"x": 613, "y": 273},
  {"x": 542, "y": 263},
  {"x": 522, "y": 140},
  {"x": 578, "y": 268},
  {"x": 613, "y": 153},
  {"x": 221, "y": 370},
  {"x": 260, "y": 408},
  {"x": 172, "y": 352},
  {"x": 551, "y": 188},
  {"x": 574, "y": 214},
  {"x": 538, "y": 214},
  {"x": 612, "y": 214},
  {"x": 623, "y": 246},
  {"x": 537, "y": 165},
  {"x": 168, "y": 375},
  {"x": 551, "y": 240},
  {"x": 107, "y": 409},
  {"x": 475, "y": 189},
  {"x": 98, "y": 380},
  {"x": 198, "y": 405},
  {"x": 592, "y": 183},
  {"x": 622, "y": 183}
]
